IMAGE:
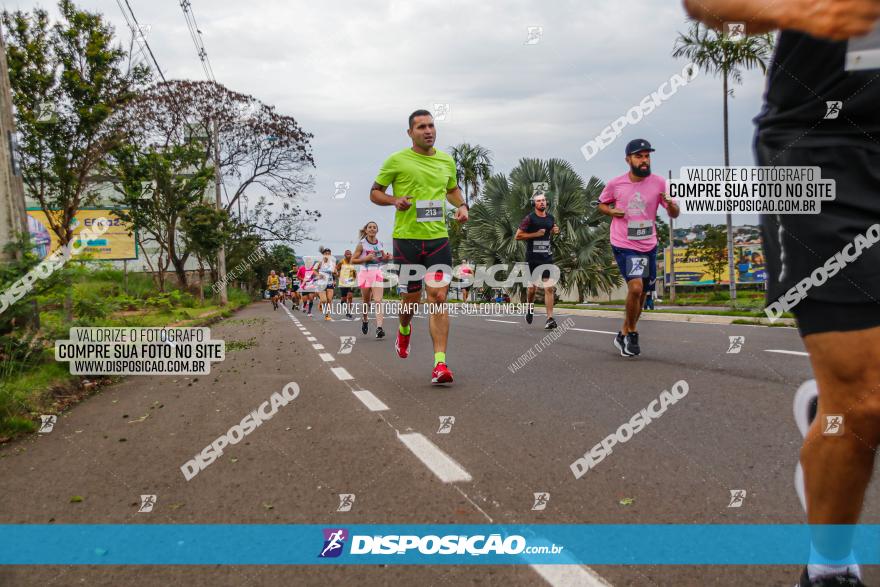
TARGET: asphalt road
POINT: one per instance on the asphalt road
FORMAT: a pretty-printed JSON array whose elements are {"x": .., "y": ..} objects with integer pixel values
[{"x": 368, "y": 423}]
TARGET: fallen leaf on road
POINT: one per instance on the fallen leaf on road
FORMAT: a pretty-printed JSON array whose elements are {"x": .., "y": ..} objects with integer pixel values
[
  {"x": 76, "y": 499},
  {"x": 627, "y": 501},
  {"x": 141, "y": 419},
  {"x": 268, "y": 506}
]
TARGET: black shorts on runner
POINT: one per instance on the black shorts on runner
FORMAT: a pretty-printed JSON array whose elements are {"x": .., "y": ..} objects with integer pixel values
[
  {"x": 294, "y": 288},
  {"x": 426, "y": 253},
  {"x": 542, "y": 275},
  {"x": 344, "y": 291},
  {"x": 796, "y": 245}
]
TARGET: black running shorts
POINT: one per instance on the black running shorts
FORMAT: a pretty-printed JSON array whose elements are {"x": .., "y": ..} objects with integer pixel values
[
  {"x": 796, "y": 246},
  {"x": 424, "y": 253}
]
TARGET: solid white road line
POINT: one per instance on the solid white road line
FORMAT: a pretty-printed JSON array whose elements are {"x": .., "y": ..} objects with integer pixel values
[
  {"x": 318, "y": 347},
  {"x": 326, "y": 357},
  {"x": 311, "y": 338},
  {"x": 564, "y": 575},
  {"x": 441, "y": 464},
  {"x": 341, "y": 373},
  {"x": 373, "y": 403},
  {"x": 502, "y": 321},
  {"x": 596, "y": 331},
  {"x": 798, "y": 353}
]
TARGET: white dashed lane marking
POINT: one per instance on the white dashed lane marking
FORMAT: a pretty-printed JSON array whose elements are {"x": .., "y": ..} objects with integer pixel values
[
  {"x": 341, "y": 373},
  {"x": 311, "y": 339},
  {"x": 564, "y": 575},
  {"x": 441, "y": 464},
  {"x": 373, "y": 403},
  {"x": 449, "y": 471},
  {"x": 596, "y": 331}
]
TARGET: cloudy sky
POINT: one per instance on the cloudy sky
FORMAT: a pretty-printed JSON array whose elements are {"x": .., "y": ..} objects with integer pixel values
[{"x": 351, "y": 72}]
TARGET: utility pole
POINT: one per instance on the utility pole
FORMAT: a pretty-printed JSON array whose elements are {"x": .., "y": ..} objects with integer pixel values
[
  {"x": 671, "y": 255},
  {"x": 13, "y": 218},
  {"x": 221, "y": 254}
]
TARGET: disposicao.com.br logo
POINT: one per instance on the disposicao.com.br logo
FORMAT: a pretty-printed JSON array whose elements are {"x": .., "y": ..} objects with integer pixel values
[{"x": 450, "y": 544}]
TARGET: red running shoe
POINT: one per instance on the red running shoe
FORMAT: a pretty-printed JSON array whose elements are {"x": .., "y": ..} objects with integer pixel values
[
  {"x": 401, "y": 344},
  {"x": 441, "y": 374}
]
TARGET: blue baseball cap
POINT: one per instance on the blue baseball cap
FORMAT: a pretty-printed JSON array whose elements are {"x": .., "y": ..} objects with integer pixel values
[{"x": 637, "y": 145}]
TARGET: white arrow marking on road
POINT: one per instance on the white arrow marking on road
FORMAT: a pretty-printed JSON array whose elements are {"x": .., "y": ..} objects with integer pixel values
[
  {"x": 341, "y": 373},
  {"x": 326, "y": 357},
  {"x": 596, "y": 331},
  {"x": 798, "y": 353},
  {"x": 441, "y": 464},
  {"x": 373, "y": 403}
]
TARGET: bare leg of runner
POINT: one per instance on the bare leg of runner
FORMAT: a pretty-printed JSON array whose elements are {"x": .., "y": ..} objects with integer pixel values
[
  {"x": 548, "y": 300},
  {"x": 377, "y": 292},
  {"x": 837, "y": 469},
  {"x": 438, "y": 322},
  {"x": 409, "y": 301},
  {"x": 634, "y": 301}
]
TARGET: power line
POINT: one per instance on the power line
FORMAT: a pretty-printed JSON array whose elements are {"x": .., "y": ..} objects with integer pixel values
[
  {"x": 138, "y": 33},
  {"x": 196, "y": 34}
]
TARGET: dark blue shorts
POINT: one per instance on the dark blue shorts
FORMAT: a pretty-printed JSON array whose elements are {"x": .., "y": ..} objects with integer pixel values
[{"x": 637, "y": 265}]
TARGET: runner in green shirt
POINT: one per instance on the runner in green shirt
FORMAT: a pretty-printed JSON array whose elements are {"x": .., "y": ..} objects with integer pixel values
[{"x": 423, "y": 180}]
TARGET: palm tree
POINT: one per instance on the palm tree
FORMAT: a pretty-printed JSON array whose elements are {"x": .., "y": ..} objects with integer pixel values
[
  {"x": 719, "y": 54},
  {"x": 474, "y": 166},
  {"x": 581, "y": 251}
]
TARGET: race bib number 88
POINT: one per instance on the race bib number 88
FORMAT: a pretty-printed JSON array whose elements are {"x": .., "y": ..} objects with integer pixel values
[{"x": 637, "y": 231}]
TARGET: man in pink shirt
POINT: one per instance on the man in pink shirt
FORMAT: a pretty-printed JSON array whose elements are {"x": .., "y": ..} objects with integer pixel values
[{"x": 635, "y": 197}]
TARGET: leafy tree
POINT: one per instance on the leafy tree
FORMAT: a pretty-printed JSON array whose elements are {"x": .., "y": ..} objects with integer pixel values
[
  {"x": 262, "y": 152},
  {"x": 712, "y": 251},
  {"x": 720, "y": 54},
  {"x": 67, "y": 80},
  {"x": 280, "y": 259},
  {"x": 156, "y": 188},
  {"x": 662, "y": 234},
  {"x": 473, "y": 164},
  {"x": 581, "y": 251},
  {"x": 205, "y": 230}
]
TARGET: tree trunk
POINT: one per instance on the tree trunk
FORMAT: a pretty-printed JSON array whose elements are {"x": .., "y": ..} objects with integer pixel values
[
  {"x": 201, "y": 282},
  {"x": 68, "y": 281},
  {"x": 730, "y": 267},
  {"x": 177, "y": 262}
]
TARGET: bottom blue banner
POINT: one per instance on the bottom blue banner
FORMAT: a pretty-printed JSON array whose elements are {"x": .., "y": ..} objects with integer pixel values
[{"x": 278, "y": 544}]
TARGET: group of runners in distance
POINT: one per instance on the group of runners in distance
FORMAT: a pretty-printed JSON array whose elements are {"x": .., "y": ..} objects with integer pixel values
[{"x": 424, "y": 180}]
